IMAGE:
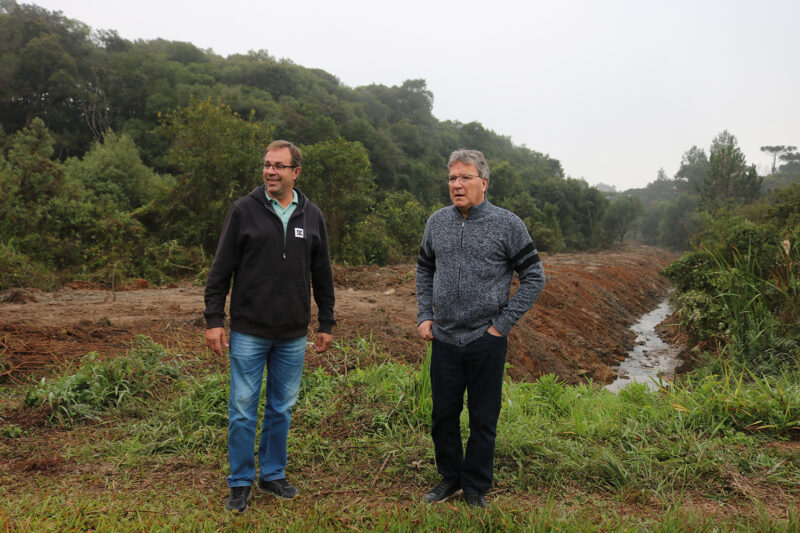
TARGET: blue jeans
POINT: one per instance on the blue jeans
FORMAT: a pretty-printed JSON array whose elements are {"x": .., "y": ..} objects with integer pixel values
[
  {"x": 283, "y": 359},
  {"x": 477, "y": 368}
]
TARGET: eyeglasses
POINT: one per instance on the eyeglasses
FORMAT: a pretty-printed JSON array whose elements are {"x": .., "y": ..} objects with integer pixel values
[
  {"x": 465, "y": 178},
  {"x": 277, "y": 166}
]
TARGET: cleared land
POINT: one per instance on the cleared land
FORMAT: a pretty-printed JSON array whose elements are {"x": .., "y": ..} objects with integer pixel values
[
  {"x": 577, "y": 330},
  {"x": 572, "y": 459}
]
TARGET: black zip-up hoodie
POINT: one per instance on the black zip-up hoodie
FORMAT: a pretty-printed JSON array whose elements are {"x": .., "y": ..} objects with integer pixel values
[{"x": 272, "y": 275}]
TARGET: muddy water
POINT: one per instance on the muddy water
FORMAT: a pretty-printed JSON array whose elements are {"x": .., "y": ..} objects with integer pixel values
[{"x": 650, "y": 356}]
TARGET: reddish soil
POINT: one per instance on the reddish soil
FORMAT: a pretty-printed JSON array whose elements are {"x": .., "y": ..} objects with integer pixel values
[{"x": 577, "y": 330}]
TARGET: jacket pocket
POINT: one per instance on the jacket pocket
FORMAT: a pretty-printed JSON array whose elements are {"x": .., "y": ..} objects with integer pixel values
[
  {"x": 273, "y": 302},
  {"x": 290, "y": 303}
]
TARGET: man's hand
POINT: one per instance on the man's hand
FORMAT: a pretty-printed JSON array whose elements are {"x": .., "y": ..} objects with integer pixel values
[
  {"x": 425, "y": 330},
  {"x": 323, "y": 342},
  {"x": 216, "y": 339},
  {"x": 493, "y": 331}
]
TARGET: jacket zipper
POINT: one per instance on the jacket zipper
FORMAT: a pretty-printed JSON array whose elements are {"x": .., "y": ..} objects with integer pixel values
[
  {"x": 461, "y": 254},
  {"x": 280, "y": 226},
  {"x": 296, "y": 213}
]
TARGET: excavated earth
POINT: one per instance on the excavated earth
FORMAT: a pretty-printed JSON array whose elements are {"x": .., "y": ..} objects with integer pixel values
[{"x": 578, "y": 329}]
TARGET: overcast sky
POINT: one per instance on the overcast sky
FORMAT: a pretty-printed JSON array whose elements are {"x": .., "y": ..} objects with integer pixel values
[{"x": 614, "y": 89}]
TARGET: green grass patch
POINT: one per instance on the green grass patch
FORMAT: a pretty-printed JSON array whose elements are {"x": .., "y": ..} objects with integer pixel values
[
  {"x": 100, "y": 386},
  {"x": 568, "y": 458},
  {"x": 199, "y": 511}
]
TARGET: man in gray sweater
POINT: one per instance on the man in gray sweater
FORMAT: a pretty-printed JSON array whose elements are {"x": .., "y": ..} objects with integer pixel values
[{"x": 468, "y": 257}]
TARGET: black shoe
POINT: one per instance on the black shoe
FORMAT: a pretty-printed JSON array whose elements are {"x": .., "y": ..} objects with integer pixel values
[
  {"x": 475, "y": 500},
  {"x": 238, "y": 499},
  {"x": 280, "y": 488},
  {"x": 442, "y": 492}
]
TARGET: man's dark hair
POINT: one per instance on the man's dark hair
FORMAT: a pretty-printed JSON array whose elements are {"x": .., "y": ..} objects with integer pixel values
[{"x": 297, "y": 157}]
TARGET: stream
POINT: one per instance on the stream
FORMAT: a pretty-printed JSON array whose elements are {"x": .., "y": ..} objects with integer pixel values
[{"x": 650, "y": 356}]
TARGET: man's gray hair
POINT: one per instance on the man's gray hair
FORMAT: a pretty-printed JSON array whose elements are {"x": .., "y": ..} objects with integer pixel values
[{"x": 470, "y": 157}]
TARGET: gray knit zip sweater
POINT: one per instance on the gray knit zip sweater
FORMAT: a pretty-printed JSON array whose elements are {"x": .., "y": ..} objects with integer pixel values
[{"x": 464, "y": 272}]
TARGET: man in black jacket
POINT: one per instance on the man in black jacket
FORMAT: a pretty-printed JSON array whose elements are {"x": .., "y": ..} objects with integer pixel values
[{"x": 274, "y": 246}]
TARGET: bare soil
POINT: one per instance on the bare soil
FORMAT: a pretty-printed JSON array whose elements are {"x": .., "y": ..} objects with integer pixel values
[{"x": 578, "y": 329}]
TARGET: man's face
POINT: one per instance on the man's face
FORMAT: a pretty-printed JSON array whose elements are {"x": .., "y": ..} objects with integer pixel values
[
  {"x": 279, "y": 183},
  {"x": 467, "y": 190}
]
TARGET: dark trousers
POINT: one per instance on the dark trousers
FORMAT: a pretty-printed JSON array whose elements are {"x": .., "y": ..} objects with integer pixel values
[{"x": 477, "y": 368}]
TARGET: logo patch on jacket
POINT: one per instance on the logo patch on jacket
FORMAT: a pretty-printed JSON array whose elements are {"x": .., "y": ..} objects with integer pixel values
[{"x": 298, "y": 232}]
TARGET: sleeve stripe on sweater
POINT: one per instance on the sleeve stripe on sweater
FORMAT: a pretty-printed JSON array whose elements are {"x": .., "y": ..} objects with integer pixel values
[
  {"x": 522, "y": 253},
  {"x": 525, "y": 257},
  {"x": 424, "y": 260},
  {"x": 532, "y": 260}
]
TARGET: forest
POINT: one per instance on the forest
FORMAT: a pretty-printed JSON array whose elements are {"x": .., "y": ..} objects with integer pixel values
[
  {"x": 127, "y": 155},
  {"x": 120, "y": 159}
]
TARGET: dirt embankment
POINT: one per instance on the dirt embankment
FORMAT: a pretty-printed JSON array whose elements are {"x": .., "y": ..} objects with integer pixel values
[
  {"x": 577, "y": 329},
  {"x": 580, "y": 326}
]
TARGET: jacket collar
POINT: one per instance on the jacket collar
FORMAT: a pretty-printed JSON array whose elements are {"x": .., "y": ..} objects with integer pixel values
[
  {"x": 260, "y": 195},
  {"x": 477, "y": 211}
]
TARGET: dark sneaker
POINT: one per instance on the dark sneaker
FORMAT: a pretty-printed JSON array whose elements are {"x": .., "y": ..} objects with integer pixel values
[
  {"x": 442, "y": 492},
  {"x": 475, "y": 500},
  {"x": 280, "y": 488},
  {"x": 238, "y": 499}
]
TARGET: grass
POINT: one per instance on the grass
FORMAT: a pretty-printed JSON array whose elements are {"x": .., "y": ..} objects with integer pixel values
[
  {"x": 743, "y": 299},
  {"x": 753, "y": 304},
  {"x": 101, "y": 385},
  {"x": 197, "y": 513},
  {"x": 153, "y": 458}
]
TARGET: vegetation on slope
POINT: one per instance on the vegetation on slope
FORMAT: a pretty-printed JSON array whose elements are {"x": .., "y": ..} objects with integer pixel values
[{"x": 126, "y": 155}]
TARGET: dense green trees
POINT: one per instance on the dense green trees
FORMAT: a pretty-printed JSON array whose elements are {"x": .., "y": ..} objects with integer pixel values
[
  {"x": 130, "y": 153},
  {"x": 50, "y": 219},
  {"x": 113, "y": 170},
  {"x": 48, "y": 71},
  {"x": 622, "y": 213},
  {"x": 729, "y": 178},
  {"x": 674, "y": 208},
  {"x": 337, "y": 176}
]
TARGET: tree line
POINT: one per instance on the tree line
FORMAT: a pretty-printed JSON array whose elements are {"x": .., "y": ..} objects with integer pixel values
[
  {"x": 673, "y": 211},
  {"x": 125, "y": 155},
  {"x": 121, "y": 158}
]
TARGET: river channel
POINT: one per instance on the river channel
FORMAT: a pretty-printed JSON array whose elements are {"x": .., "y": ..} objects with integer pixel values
[{"x": 650, "y": 356}]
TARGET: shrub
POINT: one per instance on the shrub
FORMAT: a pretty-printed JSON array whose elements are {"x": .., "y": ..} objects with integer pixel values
[
  {"x": 370, "y": 243},
  {"x": 18, "y": 270},
  {"x": 99, "y": 386},
  {"x": 740, "y": 289}
]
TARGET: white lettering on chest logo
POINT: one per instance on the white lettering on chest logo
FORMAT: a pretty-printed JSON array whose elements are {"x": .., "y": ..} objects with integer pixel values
[{"x": 298, "y": 232}]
